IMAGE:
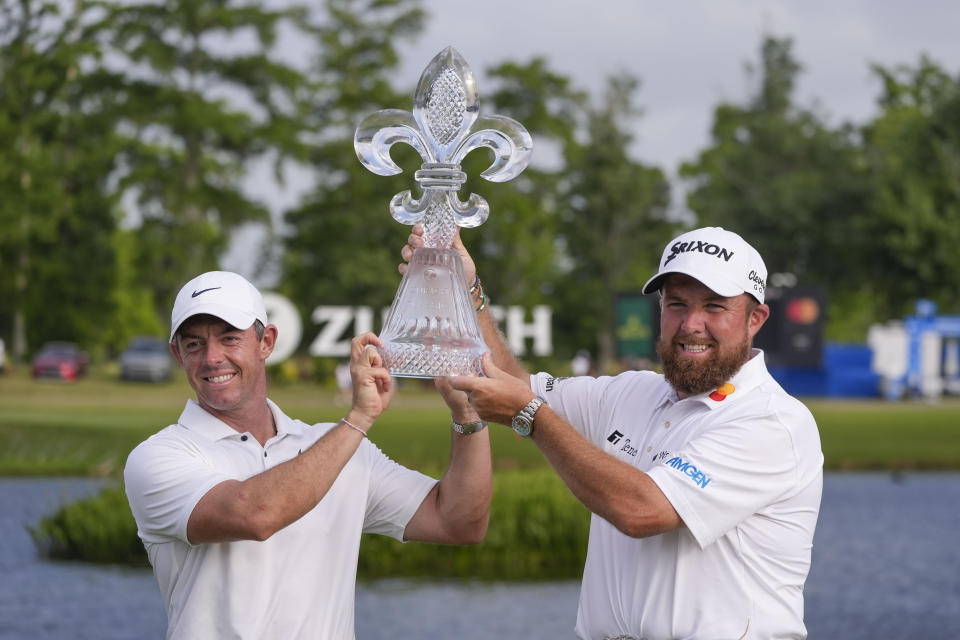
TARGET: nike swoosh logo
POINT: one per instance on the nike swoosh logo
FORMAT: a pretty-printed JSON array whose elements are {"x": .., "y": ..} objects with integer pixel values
[{"x": 196, "y": 293}]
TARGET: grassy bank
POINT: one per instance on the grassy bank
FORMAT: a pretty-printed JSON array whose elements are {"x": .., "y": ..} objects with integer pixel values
[
  {"x": 883, "y": 435},
  {"x": 537, "y": 530},
  {"x": 88, "y": 428}
]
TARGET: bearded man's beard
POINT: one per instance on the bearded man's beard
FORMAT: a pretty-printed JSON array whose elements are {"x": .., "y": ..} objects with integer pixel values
[{"x": 693, "y": 376}]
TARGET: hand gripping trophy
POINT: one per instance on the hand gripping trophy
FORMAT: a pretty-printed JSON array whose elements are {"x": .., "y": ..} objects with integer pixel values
[{"x": 431, "y": 328}]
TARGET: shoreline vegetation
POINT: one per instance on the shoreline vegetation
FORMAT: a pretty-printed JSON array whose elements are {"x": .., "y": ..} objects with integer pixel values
[{"x": 537, "y": 529}]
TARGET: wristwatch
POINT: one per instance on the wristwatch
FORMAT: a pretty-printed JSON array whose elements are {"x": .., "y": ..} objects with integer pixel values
[
  {"x": 523, "y": 421},
  {"x": 468, "y": 427}
]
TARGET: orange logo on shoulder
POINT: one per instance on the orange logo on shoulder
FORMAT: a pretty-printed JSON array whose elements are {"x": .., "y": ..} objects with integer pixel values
[{"x": 721, "y": 393}]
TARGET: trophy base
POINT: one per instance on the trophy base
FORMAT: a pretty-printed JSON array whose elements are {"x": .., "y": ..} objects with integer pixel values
[
  {"x": 418, "y": 361},
  {"x": 431, "y": 329}
]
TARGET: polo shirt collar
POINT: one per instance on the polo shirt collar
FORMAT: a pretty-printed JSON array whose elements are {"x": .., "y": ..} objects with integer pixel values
[
  {"x": 668, "y": 396},
  {"x": 199, "y": 420},
  {"x": 750, "y": 375},
  {"x": 284, "y": 424}
]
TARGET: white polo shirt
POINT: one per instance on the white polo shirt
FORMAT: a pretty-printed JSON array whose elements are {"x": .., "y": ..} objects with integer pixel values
[
  {"x": 297, "y": 584},
  {"x": 745, "y": 473}
]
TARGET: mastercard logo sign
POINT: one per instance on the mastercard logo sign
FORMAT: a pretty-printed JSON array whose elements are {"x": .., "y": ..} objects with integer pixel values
[{"x": 803, "y": 311}]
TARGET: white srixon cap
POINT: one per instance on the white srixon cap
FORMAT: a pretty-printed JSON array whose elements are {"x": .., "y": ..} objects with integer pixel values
[
  {"x": 718, "y": 258},
  {"x": 223, "y": 294}
]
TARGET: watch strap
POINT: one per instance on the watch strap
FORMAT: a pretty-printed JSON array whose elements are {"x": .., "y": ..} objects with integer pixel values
[
  {"x": 468, "y": 427},
  {"x": 523, "y": 421}
]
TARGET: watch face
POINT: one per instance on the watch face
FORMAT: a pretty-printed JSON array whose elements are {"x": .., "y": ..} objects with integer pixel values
[{"x": 522, "y": 427}]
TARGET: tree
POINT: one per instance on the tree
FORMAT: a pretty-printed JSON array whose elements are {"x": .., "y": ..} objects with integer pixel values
[
  {"x": 616, "y": 222},
  {"x": 793, "y": 187},
  {"x": 56, "y": 216},
  {"x": 913, "y": 150},
  {"x": 204, "y": 94},
  {"x": 517, "y": 249},
  {"x": 342, "y": 246}
]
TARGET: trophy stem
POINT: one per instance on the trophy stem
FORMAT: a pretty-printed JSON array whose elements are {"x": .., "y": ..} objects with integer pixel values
[{"x": 431, "y": 328}]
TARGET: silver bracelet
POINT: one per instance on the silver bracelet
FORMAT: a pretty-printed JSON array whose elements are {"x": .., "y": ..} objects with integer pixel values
[
  {"x": 353, "y": 426},
  {"x": 468, "y": 427}
]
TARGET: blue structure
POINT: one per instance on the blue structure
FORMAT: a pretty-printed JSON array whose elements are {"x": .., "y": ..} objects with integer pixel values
[
  {"x": 926, "y": 320},
  {"x": 845, "y": 372}
]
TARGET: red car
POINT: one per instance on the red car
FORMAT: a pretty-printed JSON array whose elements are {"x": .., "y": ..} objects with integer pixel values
[{"x": 60, "y": 360}]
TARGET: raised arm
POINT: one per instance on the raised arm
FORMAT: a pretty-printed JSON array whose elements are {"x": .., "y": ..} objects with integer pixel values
[
  {"x": 258, "y": 507},
  {"x": 618, "y": 492},
  {"x": 457, "y": 509},
  {"x": 501, "y": 353}
]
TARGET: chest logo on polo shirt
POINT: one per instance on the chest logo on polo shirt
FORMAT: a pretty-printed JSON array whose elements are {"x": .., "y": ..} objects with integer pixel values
[
  {"x": 689, "y": 470},
  {"x": 629, "y": 449},
  {"x": 614, "y": 438},
  {"x": 660, "y": 456},
  {"x": 721, "y": 394}
]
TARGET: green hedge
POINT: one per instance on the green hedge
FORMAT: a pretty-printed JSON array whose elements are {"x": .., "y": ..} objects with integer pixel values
[
  {"x": 537, "y": 530},
  {"x": 95, "y": 529}
]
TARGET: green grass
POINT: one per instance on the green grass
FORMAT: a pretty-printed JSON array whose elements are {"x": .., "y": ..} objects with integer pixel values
[
  {"x": 89, "y": 427},
  {"x": 884, "y": 435}
]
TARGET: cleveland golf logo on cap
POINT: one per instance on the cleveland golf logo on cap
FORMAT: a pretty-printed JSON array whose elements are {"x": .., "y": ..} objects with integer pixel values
[
  {"x": 759, "y": 284},
  {"x": 702, "y": 247}
]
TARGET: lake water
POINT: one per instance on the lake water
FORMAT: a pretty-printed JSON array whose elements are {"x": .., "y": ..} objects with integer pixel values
[{"x": 886, "y": 565}]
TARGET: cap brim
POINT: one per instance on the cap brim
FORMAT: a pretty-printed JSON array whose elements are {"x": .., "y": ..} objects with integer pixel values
[
  {"x": 231, "y": 316},
  {"x": 653, "y": 284},
  {"x": 719, "y": 286}
]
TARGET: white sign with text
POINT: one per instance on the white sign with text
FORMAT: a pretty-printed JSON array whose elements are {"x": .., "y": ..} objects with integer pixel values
[{"x": 338, "y": 324}]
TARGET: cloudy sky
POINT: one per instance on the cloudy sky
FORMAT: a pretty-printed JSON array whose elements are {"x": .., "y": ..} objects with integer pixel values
[{"x": 691, "y": 54}]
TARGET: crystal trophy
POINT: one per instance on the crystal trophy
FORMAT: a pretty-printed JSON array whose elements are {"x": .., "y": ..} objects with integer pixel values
[{"x": 431, "y": 328}]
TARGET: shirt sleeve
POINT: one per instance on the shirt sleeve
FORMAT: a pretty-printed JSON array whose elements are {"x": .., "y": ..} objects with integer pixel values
[
  {"x": 587, "y": 403},
  {"x": 728, "y": 473},
  {"x": 576, "y": 400},
  {"x": 164, "y": 483},
  {"x": 395, "y": 494}
]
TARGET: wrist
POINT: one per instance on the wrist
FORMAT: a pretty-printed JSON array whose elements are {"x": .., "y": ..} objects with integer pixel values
[
  {"x": 353, "y": 427},
  {"x": 464, "y": 417},
  {"x": 477, "y": 295},
  {"x": 467, "y": 428},
  {"x": 523, "y": 422},
  {"x": 359, "y": 419}
]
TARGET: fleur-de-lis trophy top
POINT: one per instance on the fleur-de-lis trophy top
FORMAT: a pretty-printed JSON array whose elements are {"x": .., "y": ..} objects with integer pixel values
[
  {"x": 431, "y": 328},
  {"x": 444, "y": 127}
]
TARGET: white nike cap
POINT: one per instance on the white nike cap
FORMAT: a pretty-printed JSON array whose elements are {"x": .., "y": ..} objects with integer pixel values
[
  {"x": 720, "y": 259},
  {"x": 222, "y": 294}
]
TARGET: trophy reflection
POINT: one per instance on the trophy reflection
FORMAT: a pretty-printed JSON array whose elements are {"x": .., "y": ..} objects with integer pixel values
[{"x": 431, "y": 328}]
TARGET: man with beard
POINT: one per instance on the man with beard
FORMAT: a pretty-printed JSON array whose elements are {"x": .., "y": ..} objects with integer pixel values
[{"x": 704, "y": 482}]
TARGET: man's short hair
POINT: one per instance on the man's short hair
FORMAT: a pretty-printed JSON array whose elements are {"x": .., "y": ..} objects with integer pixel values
[{"x": 258, "y": 327}]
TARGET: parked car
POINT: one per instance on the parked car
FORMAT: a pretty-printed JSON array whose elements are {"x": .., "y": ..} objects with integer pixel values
[
  {"x": 60, "y": 360},
  {"x": 148, "y": 359}
]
